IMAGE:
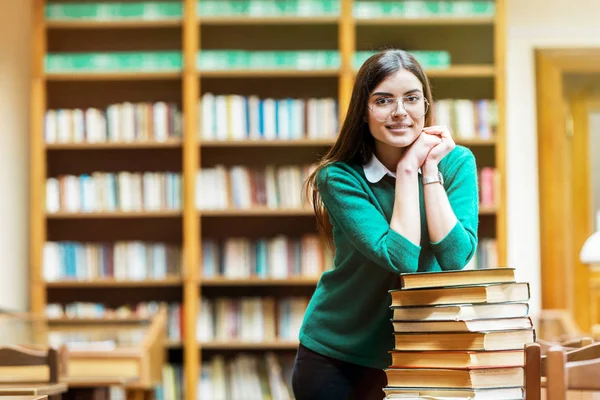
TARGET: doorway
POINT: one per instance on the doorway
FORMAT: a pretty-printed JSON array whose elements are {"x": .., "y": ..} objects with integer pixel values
[{"x": 568, "y": 104}]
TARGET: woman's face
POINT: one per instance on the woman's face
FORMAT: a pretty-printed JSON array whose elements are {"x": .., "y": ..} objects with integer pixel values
[{"x": 397, "y": 124}]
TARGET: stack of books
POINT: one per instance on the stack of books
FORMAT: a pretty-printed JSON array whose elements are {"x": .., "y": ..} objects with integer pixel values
[{"x": 459, "y": 334}]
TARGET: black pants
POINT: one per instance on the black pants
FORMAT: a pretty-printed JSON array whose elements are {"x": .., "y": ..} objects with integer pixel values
[{"x": 317, "y": 377}]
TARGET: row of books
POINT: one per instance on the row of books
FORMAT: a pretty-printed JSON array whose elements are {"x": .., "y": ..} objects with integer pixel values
[
  {"x": 459, "y": 334},
  {"x": 217, "y": 60},
  {"x": 489, "y": 186},
  {"x": 172, "y": 386},
  {"x": 262, "y": 8},
  {"x": 122, "y": 122},
  {"x": 236, "y": 117},
  {"x": 466, "y": 118},
  {"x": 278, "y": 257},
  {"x": 423, "y": 9},
  {"x": 486, "y": 255},
  {"x": 121, "y": 191},
  {"x": 141, "y": 310},
  {"x": 250, "y": 319},
  {"x": 243, "y": 187},
  {"x": 90, "y": 310},
  {"x": 122, "y": 261},
  {"x": 247, "y": 376}
]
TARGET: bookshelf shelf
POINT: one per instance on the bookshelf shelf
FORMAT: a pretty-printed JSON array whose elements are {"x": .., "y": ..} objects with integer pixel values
[
  {"x": 433, "y": 21},
  {"x": 114, "y": 214},
  {"x": 112, "y": 283},
  {"x": 115, "y": 24},
  {"x": 230, "y": 345},
  {"x": 269, "y": 73},
  {"x": 293, "y": 281},
  {"x": 175, "y": 144},
  {"x": 258, "y": 212},
  {"x": 268, "y": 143},
  {"x": 113, "y": 76},
  {"x": 476, "y": 46},
  {"x": 276, "y": 20}
]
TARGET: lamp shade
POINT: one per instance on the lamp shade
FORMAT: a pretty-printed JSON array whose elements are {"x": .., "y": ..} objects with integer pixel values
[{"x": 590, "y": 252}]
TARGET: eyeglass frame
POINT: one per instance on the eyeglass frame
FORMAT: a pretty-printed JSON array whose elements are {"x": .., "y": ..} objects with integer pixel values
[{"x": 397, "y": 101}]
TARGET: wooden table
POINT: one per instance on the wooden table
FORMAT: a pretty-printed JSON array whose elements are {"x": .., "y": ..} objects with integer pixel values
[
  {"x": 44, "y": 397},
  {"x": 33, "y": 389}
]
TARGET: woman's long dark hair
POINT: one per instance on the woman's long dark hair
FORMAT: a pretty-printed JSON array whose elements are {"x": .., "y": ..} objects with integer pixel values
[{"x": 355, "y": 143}]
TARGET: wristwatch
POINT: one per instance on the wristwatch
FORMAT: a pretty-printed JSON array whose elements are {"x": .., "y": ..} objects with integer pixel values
[{"x": 433, "y": 179}]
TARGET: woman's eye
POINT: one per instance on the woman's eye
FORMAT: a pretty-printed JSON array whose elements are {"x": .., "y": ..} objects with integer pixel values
[
  {"x": 383, "y": 101},
  {"x": 413, "y": 99}
]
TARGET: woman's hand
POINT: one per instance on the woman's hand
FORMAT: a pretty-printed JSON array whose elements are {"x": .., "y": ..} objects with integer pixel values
[
  {"x": 418, "y": 151},
  {"x": 442, "y": 149}
]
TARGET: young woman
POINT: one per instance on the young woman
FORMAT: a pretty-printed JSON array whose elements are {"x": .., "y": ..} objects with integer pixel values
[{"x": 393, "y": 195}]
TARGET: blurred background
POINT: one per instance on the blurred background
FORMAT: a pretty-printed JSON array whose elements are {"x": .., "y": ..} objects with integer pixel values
[{"x": 153, "y": 154}]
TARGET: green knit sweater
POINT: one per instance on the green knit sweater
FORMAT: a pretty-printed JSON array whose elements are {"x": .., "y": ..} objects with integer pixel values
[{"x": 348, "y": 317}]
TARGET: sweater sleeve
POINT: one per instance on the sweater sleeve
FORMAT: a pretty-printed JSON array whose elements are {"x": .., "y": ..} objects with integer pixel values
[
  {"x": 366, "y": 228},
  {"x": 457, "y": 248}
]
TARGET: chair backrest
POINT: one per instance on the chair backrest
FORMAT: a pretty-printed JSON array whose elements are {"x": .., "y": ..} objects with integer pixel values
[
  {"x": 533, "y": 371},
  {"x": 561, "y": 370},
  {"x": 19, "y": 356}
]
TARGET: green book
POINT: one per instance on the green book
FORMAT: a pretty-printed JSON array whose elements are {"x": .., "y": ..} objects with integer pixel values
[
  {"x": 114, "y": 11},
  {"x": 149, "y": 61}
]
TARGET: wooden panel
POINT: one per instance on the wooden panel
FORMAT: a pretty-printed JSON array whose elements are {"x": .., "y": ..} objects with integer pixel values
[
  {"x": 581, "y": 204},
  {"x": 259, "y": 226},
  {"x": 113, "y": 297},
  {"x": 261, "y": 156},
  {"x": 500, "y": 96},
  {"x": 104, "y": 93},
  {"x": 76, "y": 162},
  {"x": 191, "y": 221},
  {"x": 166, "y": 229},
  {"x": 449, "y": 38},
  {"x": 37, "y": 232},
  {"x": 114, "y": 39},
  {"x": 271, "y": 86},
  {"x": 269, "y": 37},
  {"x": 346, "y": 43},
  {"x": 553, "y": 182}
]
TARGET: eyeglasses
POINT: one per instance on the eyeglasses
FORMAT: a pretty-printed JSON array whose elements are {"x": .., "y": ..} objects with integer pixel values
[{"x": 384, "y": 107}]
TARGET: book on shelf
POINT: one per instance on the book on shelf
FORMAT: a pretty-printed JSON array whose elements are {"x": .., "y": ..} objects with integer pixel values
[
  {"x": 243, "y": 187},
  {"x": 117, "y": 123},
  {"x": 104, "y": 314},
  {"x": 467, "y": 118},
  {"x": 236, "y": 117},
  {"x": 232, "y": 59},
  {"x": 459, "y": 333},
  {"x": 278, "y": 257},
  {"x": 120, "y": 191},
  {"x": 110, "y": 11},
  {"x": 114, "y": 61},
  {"x": 265, "y": 8},
  {"x": 121, "y": 261},
  {"x": 247, "y": 376},
  {"x": 250, "y": 319},
  {"x": 486, "y": 255},
  {"x": 364, "y": 9},
  {"x": 429, "y": 59}
]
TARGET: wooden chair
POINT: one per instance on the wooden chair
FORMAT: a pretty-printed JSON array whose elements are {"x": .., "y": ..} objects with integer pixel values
[
  {"x": 21, "y": 356},
  {"x": 561, "y": 370},
  {"x": 569, "y": 344}
]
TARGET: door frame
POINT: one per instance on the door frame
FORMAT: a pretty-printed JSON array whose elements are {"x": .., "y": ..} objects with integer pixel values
[{"x": 559, "y": 246}]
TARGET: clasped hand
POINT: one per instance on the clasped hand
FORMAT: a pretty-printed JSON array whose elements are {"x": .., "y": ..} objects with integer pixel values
[{"x": 432, "y": 145}]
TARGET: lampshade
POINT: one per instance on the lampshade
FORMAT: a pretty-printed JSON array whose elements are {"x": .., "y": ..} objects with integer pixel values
[{"x": 590, "y": 252}]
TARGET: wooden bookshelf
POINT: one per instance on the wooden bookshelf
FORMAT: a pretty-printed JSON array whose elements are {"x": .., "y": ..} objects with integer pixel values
[{"x": 478, "y": 71}]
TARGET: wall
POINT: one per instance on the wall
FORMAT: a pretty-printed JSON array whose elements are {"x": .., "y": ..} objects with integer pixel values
[
  {"x": 534, "y": 24},
  {"x": 14, "y": 174}
]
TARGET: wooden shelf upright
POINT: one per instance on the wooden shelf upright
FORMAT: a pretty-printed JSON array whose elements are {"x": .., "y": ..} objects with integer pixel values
[{"x": 479, "y": 72}]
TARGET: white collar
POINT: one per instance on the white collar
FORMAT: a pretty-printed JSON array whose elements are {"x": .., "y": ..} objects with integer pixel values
[{"x": 375, "y": 170}]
